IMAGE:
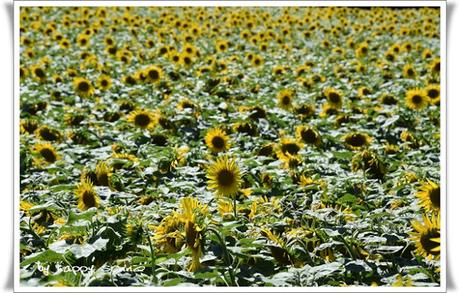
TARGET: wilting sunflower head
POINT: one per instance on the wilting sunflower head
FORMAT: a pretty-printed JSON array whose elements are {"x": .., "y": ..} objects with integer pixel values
[
  {"x": 416, "y": 99},
  {"x": 102, "y": 173},
  {"x": 334, "y": 97},
  {"x": 47, "y": 133},
  {"x": 224, "y": 177},
  {"x": 356, "y": 140},
  {"x": 135, "y": 232},
  {"x": 427, "y": 236},
  {"x": 288, "y": 146},
  {"x": 370, "y": 163},
  {"x": 308, "y": 135},
  {"x": 217, "y": 140},
  {"x": 47, "y": 152},
  {"x": 435, "y": 66},
  {"x": 429, "y": 195},
  {"x": 167, "y": 235},
  {"x": 433, "y": 92},
  {"x": 142, "y": 118},
  {"x": 153, "y": 73},
  {"x": 83, "y": 87},
  {"x": 87, "y": 196},
  {"x": 285, "y": 98},
  {"x": 104, "y": 82}
]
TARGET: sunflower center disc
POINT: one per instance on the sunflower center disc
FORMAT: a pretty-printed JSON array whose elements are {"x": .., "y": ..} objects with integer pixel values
[
  {"x": 142, "y": 120},
  {"x": 427, "y": 244},
  {"x": 83, "y": 86},
  {"x": 218, "y": 142},
  {"x": 225, "y": 178},
  {"x": 89, "y": 199}
]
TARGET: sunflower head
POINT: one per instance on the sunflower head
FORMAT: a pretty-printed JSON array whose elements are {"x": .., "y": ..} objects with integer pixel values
[
  {"x": 224, "y": 177},
  {"x": 87, "y": 196},
  {"x": 83, "y": 87},
  {"x": 416, "y": 99},
  {"x": 142, "y": 118},
  {"x": 334, "y": 97},
  {"x": 217, "y": 140},
  {"x": 429, "y": 195},
  {"x": 104, "y": 82},
  {"x": 285, "y": 98},
  {"x": 388, "y": 99},
  {"x": 102, "y": 173},
  {"x": 433, "y": 92},
  {"x": 435, "y": 66},
  {"x": 427, "y": 236},
  {"x": 38, "y": 72},
  {"x": 167, "y": 235},
  {"x": 369, "y": 162},
  {"x": 47, "y": 152},
  {"x": 153, "y": 73},
  {"x": 47, "y": 133},
  {"x": 356, "y": 140},
  {"x": 308, "y": 135},
  {"x": 288, "y": 146},
  {"x": 409, "y": 71}
]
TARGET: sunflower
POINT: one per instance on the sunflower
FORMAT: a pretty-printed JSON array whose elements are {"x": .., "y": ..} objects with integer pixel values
[
  {"x": 409, "y": 71},
  {"x": 87, "y": 196},
  {"x": 435, "y": 65},
  {"x": 47, "y": 152},
  {"x": 222, "y": 45},
  {"x": 433, "y": 92},
  {"x": 427, "y": 236},
  {"x": 308, "y": 135},
  {"x": 334, "y": 97},
  {"x": 217, "y": 140},
  {"x": 285, "y": 98},
  {"x": 416, "y": 99},
  {"x": 142, "y": 118},
  {"x": 83, "y": 87},
  {"x": 167, "y": 235},
  {"x": 430, "y": 196},
  {"x": 39, "y": 73},
  {"x": 102, "y": 173},
  {"x": 153, "y": 73},
  {"x": 104, "y": 82},
  {"x": 356, "y": 140},
  {"x": 288, "y": 146},
  {"x": 224, "y": 177},
  {"x": 47, "y": 133}
]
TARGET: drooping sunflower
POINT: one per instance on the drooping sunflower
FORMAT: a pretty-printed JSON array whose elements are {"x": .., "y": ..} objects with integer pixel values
[
  {"x": 285, "y": 98},
  {"x": 87, "y": 196},
  {"x": 356, "y": 140},
  {"x": 83, "y": 87},
  {"x": 102, "y": 173},
  {"x": 334, "y": 97},
  {"x": 308, "y": 135},
  {"x": 47, "y": 133},
  {"x": 224, "y": 177},
  {"x": 427, "y": 236},
  {"x": 153, "y": 73},
  {"x": 104, "y": 82},
  {"x": 167, "y": 235},
  {"x": 288, "y": 146},
  {"x": 416, "y": 99},
  {"x": 429, "y": 195},
  {"x": 47, "y": 152},
  {"x": 142, "y": 118},
  {"x": 433, "y": 91},
  {"x": 217, "y": 140}
]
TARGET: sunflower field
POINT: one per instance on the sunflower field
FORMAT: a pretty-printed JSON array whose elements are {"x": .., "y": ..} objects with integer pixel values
[{"x": 230, "y": 146}]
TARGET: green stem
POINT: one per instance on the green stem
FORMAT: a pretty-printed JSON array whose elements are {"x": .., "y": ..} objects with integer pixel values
[
  {"x": 152, "y": 259},
  {"x": 227, "y": 259},
  {"x": 234, "y": 207}
]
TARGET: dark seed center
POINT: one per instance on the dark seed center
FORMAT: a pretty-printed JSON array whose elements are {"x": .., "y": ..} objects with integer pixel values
[
  {"x": 226, "y": 178},
  {"x": 218, "y": 142},
  {"x": 142, "y": 120},
  {"x": 83, "y": 86}
]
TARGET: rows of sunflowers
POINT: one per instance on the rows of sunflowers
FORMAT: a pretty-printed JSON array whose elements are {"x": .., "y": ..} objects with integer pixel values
[{"x": 229, "y": 146}]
